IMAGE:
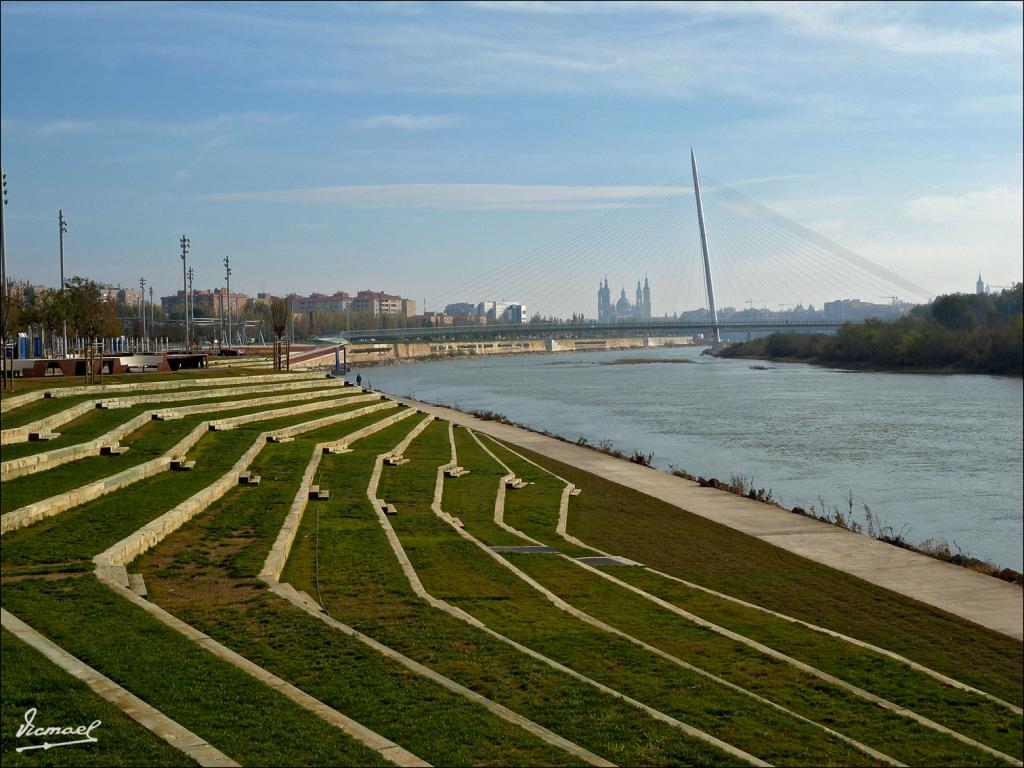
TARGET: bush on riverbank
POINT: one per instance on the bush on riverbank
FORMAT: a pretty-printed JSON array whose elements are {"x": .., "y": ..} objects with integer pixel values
[{"x": 966, "y": 333}]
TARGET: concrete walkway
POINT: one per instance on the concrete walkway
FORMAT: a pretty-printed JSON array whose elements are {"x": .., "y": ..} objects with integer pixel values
[{"x": 990, "y": 602}]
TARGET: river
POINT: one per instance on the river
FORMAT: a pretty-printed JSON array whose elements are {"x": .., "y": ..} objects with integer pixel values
[{"x": 937, "y": 457}]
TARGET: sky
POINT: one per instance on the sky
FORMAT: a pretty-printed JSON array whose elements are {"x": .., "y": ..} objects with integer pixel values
[{"x": 413, "y": 147}]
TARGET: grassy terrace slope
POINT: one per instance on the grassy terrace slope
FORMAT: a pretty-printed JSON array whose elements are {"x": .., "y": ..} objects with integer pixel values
[
  {"x": 636, "y": 526},
  {"x": 612, "y": 658}
]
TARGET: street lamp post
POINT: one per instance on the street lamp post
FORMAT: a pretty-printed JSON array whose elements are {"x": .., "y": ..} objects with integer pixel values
[
  {"x": 152, "y": 316},
  {"x": 184, "y": 279},
  {"x": 62, "y": 226},
  {"x": 4, "y": 298},
  {"x": 191, "y": 306},
  {"x": 227, "y": 279},
  {"x": 142, "y": 309}
]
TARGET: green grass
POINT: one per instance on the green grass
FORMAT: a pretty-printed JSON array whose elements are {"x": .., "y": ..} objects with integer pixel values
[
  {"x": 628, "y": 523},
  {"x": 148, "y": 442},
  {"x": 99, "y": 421},
  {"x": 40, "y": 409},
  {"x": 245, "y": 719},
  {"x": 362, "y": 584},
  {"x": 204, "y": 574},
  {"x": 21, "y": 386},
  {"x": 32, "y": 681},
  {"x": 967, "y": 713},
  {"x": 455, "y": 570},
  {"x": 86, "y": 530}
]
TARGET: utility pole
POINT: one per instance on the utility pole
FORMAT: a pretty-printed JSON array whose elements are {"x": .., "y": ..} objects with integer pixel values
[
  {"x": 227, "y": 279},
  {"x": 62, "y": 226},
  {"x": 152, "y": 313},
  {"x": 184, "y": 279},
  {"x": 191, "y": 306},
  {"x": 142, "y": 308}
]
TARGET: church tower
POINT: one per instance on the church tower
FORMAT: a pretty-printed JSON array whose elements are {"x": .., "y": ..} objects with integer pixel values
[
  {"x": 646, "y": 313},
  {"x": 979, "y": 287},
  {"x": 638, "y": 305}
]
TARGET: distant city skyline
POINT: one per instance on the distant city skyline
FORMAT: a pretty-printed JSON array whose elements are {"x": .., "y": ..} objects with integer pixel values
[{"x": 418, "y": 145}]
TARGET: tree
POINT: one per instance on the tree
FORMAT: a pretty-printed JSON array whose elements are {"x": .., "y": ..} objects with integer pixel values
[
  {"x": 48, "y": 310},
  {"x": 10, "y": 316},
  {"x": 278, "y": 321},
  {"x": 91, "y": 316}
]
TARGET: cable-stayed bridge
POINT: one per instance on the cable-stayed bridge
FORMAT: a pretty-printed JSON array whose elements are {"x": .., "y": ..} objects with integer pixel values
[{"x": 697, "y": 249}]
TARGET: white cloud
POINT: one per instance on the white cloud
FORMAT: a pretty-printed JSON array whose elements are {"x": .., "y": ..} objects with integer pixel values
[
  {"x": 996, "y": 204},
  {"x": 409, "y": 122},
  {"x": 453, "y": 196},
  {"x": 65, "y": 127}
]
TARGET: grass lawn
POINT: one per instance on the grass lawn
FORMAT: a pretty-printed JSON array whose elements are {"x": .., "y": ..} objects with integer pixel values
[
  {"x": 970, "y": 714},
  {"x": 86, "y": 530},
  {"x": 628, "y": 523},
  {"x": 247, "y": 720},
  {"x": 33, "y": 681},
  {"x": 204, "y": 573},
  {"x": 148, "y": 442},
  {"x": 99, "y": 421},
  {"x": 455, "y": 570}
]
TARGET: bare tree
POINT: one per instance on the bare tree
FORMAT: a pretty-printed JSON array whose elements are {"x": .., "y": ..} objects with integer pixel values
[{"x": 278, "y": 321}]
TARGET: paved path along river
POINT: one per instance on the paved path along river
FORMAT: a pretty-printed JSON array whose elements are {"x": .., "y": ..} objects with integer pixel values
[{"x": 990, "y": 602}]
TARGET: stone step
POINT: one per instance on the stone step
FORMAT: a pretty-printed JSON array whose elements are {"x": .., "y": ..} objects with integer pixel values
[
  {"x": 137, "y": 584},
  {"x": 336, "y": 449},
  {"x": 395, "y": 461},
  {"x": 166, "y": 416},
  {"x": 248, "y": 478},
  {"x": 113, "y": 450},
  {"x": 515, "y": 482},
  {"x": 109, "y": 405},
  {"x": 34, "y": 436},
  {"x": 389, "y": 510},
  {"x": 575, "y": 491},
  {"x": 217, "y": 426},
  {"x": 280, "y": 439},
  {"x": 456, "y": 471},
  {"x": 180, "y": 464}
]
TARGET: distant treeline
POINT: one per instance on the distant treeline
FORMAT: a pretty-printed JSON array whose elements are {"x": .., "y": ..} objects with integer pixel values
[{"x": 963, "y": 332}]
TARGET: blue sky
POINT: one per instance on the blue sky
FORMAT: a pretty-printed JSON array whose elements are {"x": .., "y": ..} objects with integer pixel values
[{"x": 411, "y": 146}]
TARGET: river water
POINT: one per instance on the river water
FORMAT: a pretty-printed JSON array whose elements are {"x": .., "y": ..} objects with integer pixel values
[{"x": 933, "y": 456}]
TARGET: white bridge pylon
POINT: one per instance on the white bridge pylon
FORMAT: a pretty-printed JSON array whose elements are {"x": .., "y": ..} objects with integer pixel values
[{"x": 709, "y": 283}]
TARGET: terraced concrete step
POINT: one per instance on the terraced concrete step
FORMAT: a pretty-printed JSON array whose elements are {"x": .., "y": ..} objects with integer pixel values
[
  {"x": 248, "y": 478},
  {"x": 138, "y": 585},
  {"x": 317, "y": 494},
  {"x": 389, "y": 510},
  {"x": 35, "y": 436},
  {"x": 181, "y": 464},
  {"x": 395, "y": 461},
  {"x": 336, "y": 449},
  {"x": 515, "y": 482},
  {"x": 167, "y": 416},
  {"x": 279, "y": 439},
  {"x": 456, "y": 471},
  {"x": 113, "y": 450}
]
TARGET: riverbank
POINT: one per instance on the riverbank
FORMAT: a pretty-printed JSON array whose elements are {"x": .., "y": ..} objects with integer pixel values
[
  {"x": 856, "y": 367},
  {"x": 982, "y": 599}
]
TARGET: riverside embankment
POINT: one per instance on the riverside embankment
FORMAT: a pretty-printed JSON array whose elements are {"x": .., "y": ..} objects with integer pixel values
[
  {"x": 992, "y": 603},
  {"x": 934, "y": 457}
]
